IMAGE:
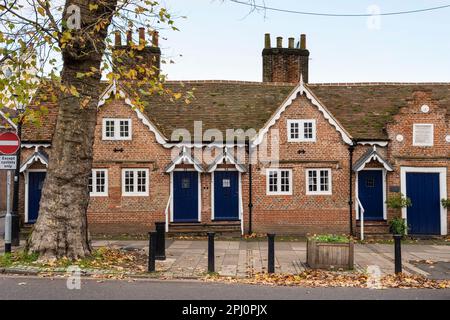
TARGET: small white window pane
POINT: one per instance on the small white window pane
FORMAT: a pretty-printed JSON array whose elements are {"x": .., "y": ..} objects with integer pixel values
[
  {"x": 141, "y": 181},
  {"x": 226, "y": 183},
  {"x": 129, "y": 181},
  {"x": 308, "y": 130},
  {"x": 109, "y": 128},
  {"x": 312, "y": 180},
  {"x": 273, "y": 181},
  {"x": 124, "y": 127},
  {"x": 294, "y": 130},
  {"x": 285, "y": 181},
  {"x": 324, "y": 186}
]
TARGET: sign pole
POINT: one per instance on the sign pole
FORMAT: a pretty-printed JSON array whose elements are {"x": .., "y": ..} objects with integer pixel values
[
  {"x": 15, "y": 231},
  {"x": 9, "y": 156},
  {"x": 8, "y": 217}
]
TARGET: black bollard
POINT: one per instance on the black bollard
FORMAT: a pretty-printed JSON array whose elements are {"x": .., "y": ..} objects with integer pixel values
[
  {"x": 151, "y": 251},
  {"x": 398, "y": 253},
  {"x": 271, "y": 253},
  {"x": 160, "y": 240},
  {"x": 211, "y": 257}
]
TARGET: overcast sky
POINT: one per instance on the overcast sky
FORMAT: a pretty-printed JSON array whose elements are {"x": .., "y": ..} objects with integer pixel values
[{"x": 219, "y": 40}]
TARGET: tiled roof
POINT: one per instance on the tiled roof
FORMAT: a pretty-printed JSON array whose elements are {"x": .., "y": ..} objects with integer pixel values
[
  {"x": 362, "y": 108},
  {"x": 365, "y": 108},
  {"x": 218, "y": 104}
]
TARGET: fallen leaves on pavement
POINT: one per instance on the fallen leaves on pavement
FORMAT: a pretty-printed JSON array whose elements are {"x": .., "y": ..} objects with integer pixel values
[{"x": 321, "y": 278}]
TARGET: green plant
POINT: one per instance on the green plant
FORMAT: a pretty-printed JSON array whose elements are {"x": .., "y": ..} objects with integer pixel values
[
  {"x": 398, "y": 226},
  {"x": 329, "y": 238},
  {"x": 398, "y": 201},
  {"x": 445, "y": 203}
]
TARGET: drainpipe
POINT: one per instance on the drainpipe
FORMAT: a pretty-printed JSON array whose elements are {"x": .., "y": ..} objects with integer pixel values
[
  {"x": 250, "y": 200},
  {"x": 351, "y": 148}
]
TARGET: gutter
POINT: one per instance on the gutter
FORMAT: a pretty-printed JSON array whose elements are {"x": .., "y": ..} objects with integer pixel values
[{"x": 351, "y": 148}]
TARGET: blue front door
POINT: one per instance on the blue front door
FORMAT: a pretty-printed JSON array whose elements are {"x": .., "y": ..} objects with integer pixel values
[
  {"x": 423, "y": 216},
  {"x": 370, "y": 193},
  {"x": 226, "y": 195},
  {"x": 35, "y": 184},
  {"x": 185, "y": 196}
]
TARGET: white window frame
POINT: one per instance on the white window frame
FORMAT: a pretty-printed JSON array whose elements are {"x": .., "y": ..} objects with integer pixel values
[
  {"x": 278, "y": 192},
  {"x": 94, "y": 183},
  {"x": 301, "y": 130},
  {"x": 415, "y": 144},
  {"x": 319, "y": 192},
  {"x": 135, "y": 178},
  {"x": 116, "y": 122}
]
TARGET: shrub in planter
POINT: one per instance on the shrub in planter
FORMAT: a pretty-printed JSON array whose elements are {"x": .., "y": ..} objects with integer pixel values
[
  {"x": 398, "y": 201},
  {"x": 445, "y": 203},
  {"x": 329, "y": 252},
  {"x": 397, "y": 226}
]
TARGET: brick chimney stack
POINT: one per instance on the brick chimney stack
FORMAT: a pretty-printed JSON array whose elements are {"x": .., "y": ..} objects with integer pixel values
[
  {"x": 148, "y": 57},
  {"x": 285, "y": 64}
]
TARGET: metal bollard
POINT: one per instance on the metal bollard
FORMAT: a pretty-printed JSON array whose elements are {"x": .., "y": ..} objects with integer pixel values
[
  {"x": 398, "y": 253},
  {"x": 271, "y": 253},
  {"x": 8, "y": 233},
  {"x": 160, "y": 240},
  {"x": 211, "y": 256},
  {"x": 151, "y": 251}
]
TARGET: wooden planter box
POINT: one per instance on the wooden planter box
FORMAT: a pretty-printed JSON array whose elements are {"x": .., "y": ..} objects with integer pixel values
[{"x": 329, "y": 255}]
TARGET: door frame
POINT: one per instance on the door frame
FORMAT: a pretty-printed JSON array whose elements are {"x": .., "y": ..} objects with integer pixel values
[
  {"x": 199, "y": 184},
  {"x": 383, "y": 186},
  {"x": 27, "y": 177},
  {"x": 442, "y": 190},
  {"x": 239, "y": 190}
]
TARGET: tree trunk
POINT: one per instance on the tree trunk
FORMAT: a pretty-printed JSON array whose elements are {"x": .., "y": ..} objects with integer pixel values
[{"x": 61, "y": 228}]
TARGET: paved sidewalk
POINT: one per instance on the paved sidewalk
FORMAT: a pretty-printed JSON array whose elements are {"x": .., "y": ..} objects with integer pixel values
[
  {"x": 189, "y": 258},
  {"x": 242, "y": 258}
]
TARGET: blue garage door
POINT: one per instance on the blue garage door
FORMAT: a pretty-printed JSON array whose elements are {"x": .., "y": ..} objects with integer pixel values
[
  {"x": 226, "y": 195},
  {"x": 424, "y": 214},
  {"x": 35, "y": 184},
  {"x": 185, "y": 196},
  {"x": 370, "y": 193}
]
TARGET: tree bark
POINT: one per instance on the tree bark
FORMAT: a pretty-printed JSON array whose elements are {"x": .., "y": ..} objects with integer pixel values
[{"x": 61, "y": 228}]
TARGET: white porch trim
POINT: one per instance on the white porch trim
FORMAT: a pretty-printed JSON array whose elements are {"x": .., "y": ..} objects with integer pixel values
[
  {"x": 384, "y": 186},
  {"x": 115, "y": 89},
  {"x": 240, "y": 206},
  {"x": 199, "y": 186},
  {"x": 442, "y": 189},
  {"x": 27, "y": 179},
  {"x": 299, "y": 90}
]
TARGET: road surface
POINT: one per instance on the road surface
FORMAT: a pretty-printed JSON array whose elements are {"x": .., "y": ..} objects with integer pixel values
[{"x": 25, "y": 287}]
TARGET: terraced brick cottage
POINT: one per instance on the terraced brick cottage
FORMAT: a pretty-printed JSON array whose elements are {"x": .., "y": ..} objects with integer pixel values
[{"x": 343, "y": 149}]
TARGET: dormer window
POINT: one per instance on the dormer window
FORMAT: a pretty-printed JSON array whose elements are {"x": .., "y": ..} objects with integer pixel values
[
  {"x": 301, "y": 130},
  {"x": 423, "y": 134},
  {"x": 116, "y": 129}
]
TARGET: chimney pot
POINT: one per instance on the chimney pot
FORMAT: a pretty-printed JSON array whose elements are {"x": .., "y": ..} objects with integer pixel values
[
  {"x": 155, "y": 38},
  {"x": 291, "y": 43},
  {"x": 279, "y": 42},
  {"x": 267, "y": 41},
  {"x": 129, "y": 37},
  {"x": 141, "y": 35},
  {"x": 117, "y": 39},
  {"x": 303, "y": 41}
]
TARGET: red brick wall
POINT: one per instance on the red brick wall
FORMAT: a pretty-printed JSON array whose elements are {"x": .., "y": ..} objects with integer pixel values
[
  {"x": 301, "y": 213},
  {"x": 405, "y": 154},
  {"x": 122, "y": 214}
]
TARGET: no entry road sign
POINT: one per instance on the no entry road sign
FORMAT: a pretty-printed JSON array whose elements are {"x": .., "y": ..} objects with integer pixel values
[{"x": 9, "y": 143}]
